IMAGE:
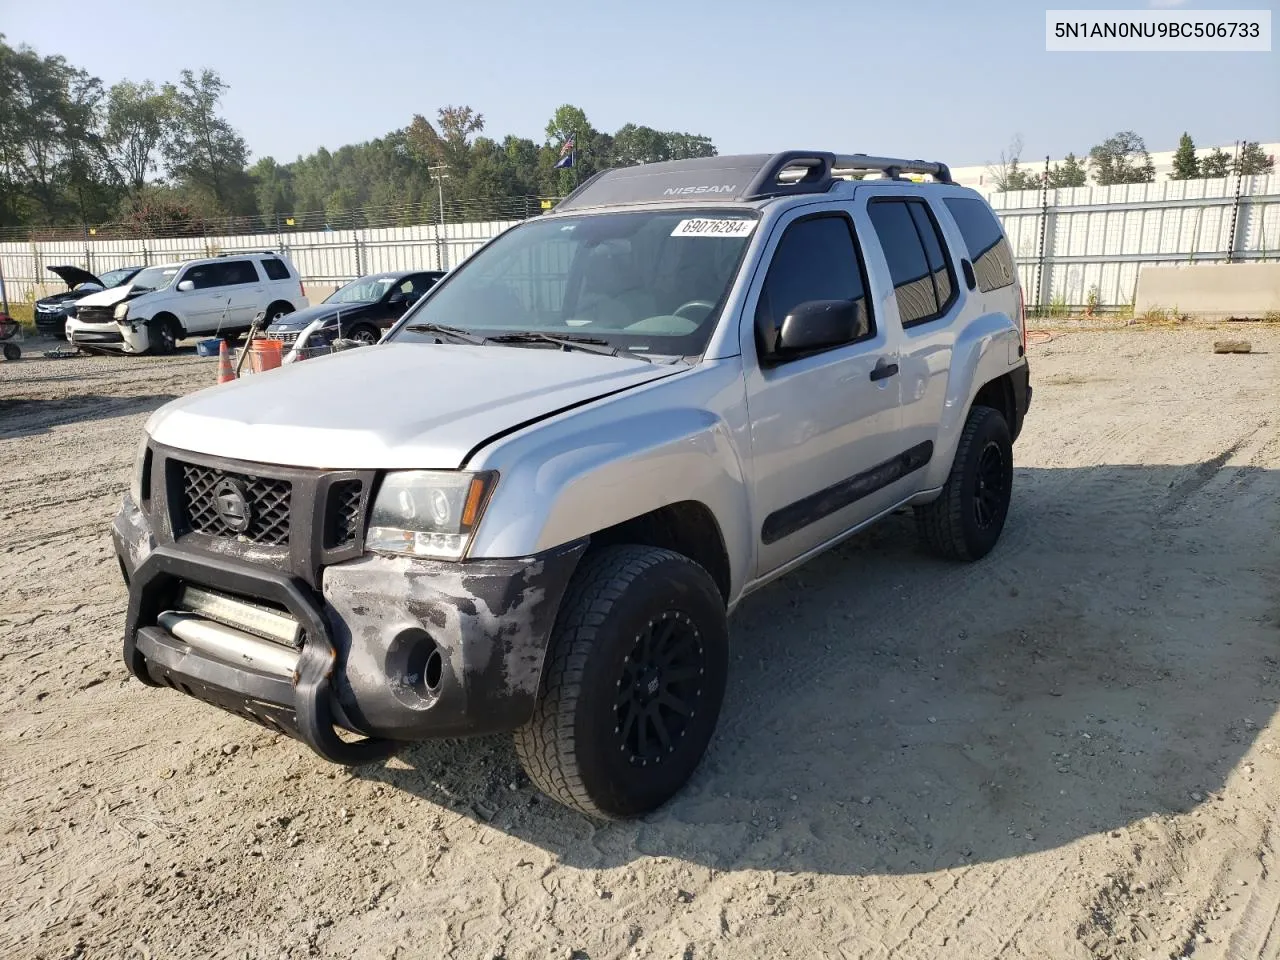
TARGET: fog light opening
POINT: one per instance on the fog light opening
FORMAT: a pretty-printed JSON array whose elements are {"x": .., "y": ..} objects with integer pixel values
[
  {"x": 423, "y": 666},
  {"x": 434, "y": 670}
]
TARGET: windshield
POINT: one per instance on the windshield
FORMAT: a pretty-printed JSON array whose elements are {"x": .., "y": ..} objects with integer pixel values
[
  {"x": 647, "y": 282},
  {"x": 364, "y": 290},
  {"x": 153, "y": 278},
  {"x": 113, "y": 278}
]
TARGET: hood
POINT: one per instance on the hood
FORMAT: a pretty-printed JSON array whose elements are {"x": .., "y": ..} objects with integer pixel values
[
  {"x": 321, "y": 311},
  {"x": 66, "y": 296},
  {"x": 395, "y": 405},
  {"x": 74, "y": 276},
  {"x": 109, "y": 297}
]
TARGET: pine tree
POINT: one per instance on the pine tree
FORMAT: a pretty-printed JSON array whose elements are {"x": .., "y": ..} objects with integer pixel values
[
  {"x": 1215, "y": 165},
  {"x": 1253, "y": 161},
  {"x": 1186, "y": 165},
  {"x": 1069, "y": 173}
]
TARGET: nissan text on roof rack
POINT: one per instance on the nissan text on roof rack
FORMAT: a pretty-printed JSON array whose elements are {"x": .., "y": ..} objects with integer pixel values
[{"x": 533, "y": 504}]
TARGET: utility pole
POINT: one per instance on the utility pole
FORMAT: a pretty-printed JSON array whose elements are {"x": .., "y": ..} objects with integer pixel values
[{"x": 442, "y": 246}]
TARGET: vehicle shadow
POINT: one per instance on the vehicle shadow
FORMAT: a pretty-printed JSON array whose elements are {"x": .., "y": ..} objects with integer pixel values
[
  {"x": 1113, "y": 658},
  {"x": 31, "y": 417}
]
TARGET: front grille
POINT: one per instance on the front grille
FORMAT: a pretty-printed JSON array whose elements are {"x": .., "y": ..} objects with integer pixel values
[
  {"x": 267, "y": 500},
  {"x": 287, "y": 337},
  {"x": 344, "y": 513},
  {"x": 95, "y": 314}
]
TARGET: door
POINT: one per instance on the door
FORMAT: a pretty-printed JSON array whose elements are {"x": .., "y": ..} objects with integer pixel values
[
  {"x": 202, "y": 307},
  {"x": 246, "y": 290},
  {"x": 928, "y": 302},
  {"x": 824, "y": 426}
]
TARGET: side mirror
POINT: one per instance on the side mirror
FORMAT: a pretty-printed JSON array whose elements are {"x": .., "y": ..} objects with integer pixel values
[
  {"x": 186, "y": 286},
  {"x": 815, "y": 324},
  {"x": 397, "y": 297}
]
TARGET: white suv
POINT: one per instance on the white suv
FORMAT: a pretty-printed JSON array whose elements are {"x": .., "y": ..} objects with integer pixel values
[{"x": 216, "y": 295}]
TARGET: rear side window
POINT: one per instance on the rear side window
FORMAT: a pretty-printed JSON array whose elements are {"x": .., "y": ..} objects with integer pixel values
[
  {"x": 913, "y": 248},
  {"x": 815, "y": 260},
  {"x": 239, "y": 271},
  {"x": 989, "y": 250},
  {"x": 276, "y": 270}
]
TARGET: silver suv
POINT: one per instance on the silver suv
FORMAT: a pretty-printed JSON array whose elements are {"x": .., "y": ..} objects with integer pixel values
[{"x": 533, "y": 505}]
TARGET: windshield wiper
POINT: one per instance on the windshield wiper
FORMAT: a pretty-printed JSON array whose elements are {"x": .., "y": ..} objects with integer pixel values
[
  {"x": 462, "y": 335},
  {"x": 570, "y": 342}
]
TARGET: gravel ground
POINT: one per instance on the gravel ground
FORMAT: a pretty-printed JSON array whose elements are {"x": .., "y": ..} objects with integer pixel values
[{"x": 1067, "y": 750}]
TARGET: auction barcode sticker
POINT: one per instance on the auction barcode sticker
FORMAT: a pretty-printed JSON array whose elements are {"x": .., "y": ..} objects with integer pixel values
[{"x": 714, "y": 227}]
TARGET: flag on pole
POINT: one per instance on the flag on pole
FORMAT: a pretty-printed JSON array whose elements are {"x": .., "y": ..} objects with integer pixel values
[{"x": 567, "y": 154}]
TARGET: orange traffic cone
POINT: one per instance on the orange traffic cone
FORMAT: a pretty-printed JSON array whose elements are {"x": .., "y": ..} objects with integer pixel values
[{"x": 225, "y": 372}]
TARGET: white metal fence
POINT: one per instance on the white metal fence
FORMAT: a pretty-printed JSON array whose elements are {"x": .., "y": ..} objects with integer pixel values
[
  {"x": 1072, "y": 242},
  {"x": 1073, "y": 246}
]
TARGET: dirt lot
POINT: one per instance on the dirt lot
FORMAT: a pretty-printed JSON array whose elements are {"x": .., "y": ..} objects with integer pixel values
[{"x": 1067, "y": 750}]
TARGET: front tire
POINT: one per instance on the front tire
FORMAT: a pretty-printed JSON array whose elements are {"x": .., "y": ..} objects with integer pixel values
[
  {"x": 633, "y": 683},
  {"x": 163, "y": 335},
  {"x": 965, "y": 521},
  {"x": 365, "y": 334}
]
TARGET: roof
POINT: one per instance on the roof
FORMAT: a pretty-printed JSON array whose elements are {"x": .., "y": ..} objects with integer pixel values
[{"x": 736, "y": 179}]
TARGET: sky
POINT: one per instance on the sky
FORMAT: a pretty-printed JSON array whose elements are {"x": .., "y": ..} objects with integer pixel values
[{"x": 951, "y": 81}]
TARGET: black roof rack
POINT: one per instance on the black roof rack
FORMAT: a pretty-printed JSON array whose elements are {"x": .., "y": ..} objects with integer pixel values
[{"x": 737, "y": 178}]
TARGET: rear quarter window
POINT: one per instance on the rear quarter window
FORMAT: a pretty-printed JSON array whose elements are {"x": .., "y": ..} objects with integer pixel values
[
  {"x": 989, "y": 251},
  {"x": 276, "y": 270}
]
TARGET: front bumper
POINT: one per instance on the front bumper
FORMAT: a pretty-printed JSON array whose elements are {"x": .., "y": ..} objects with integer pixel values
[
  {"x": 107, "y": 336},
  {"x": 395, "y": 648},
  {"x": 51, "y": 322}
]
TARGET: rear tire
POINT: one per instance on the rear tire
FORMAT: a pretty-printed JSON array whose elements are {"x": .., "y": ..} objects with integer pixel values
[
  {"x": 275, "y": 312},
  {"x": 12, "y": 351},
  {"x": 965, "y": 521},
  {"x": 633, "y": 682}
]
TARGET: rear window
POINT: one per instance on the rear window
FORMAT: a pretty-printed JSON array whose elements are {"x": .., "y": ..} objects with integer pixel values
[
  {"x": 913, "y": 250},
  {"x": 989, "y": 251},
  {"x": 276, "y": 269}
]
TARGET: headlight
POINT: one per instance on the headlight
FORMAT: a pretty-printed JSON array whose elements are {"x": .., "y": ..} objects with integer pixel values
[
  {"x": 428, "y": 513},
  {"x": 138, "y": 479},
  {"x": 71, "y": 310},
  {"x": 122, "y": 311}
]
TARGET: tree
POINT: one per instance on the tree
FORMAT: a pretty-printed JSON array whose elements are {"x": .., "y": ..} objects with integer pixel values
[
  {"x": 1186, "y": 165},
  {"x": 568, "y": 122},
  {"x": 1122, "y": 158},
  {"x": 451, "y": 146},
  {"x": 51, "y": 159},
  {"x": 1019, "y": 179},
  {"x": 273, "y": 189},
  {"x": 138, "y": 115},
  {"x": 638, "y": 144},
  {"x": 1069, "y": 173},
  {"x": 1215, "y": 165},
  {"x": 1252, "y": 161},
  {"x": 202, "y": 150},
  {"x": 1005, "y": 175}
]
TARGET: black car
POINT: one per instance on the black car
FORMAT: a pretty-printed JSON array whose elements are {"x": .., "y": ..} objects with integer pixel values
[
  {"x": 52, "y": 312},
  {"x": 360, "y": 310}
]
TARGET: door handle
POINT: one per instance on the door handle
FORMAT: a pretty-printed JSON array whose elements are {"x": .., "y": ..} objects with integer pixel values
[{"x": 884, "y": 371}]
